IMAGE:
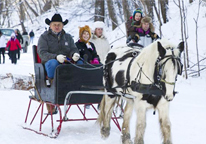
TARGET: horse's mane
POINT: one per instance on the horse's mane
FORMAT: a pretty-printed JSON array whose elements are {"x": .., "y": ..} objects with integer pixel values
[{"x": 150, "y": 53}]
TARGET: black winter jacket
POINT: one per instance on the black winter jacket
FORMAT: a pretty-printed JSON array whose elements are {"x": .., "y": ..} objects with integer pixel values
[{"x": 84, "y": 50}]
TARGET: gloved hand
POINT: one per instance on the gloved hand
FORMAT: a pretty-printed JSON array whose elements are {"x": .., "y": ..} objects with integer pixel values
[
  {"x": 94, "y": 61},
  {"x": 75, "y": 56},
  {"x": 61, "y": 58}
]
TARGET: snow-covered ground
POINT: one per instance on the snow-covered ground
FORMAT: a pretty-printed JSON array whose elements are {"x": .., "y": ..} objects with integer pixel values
[{"x": 187, "y": 110}]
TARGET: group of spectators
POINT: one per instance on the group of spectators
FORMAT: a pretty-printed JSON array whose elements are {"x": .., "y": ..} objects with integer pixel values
[{"x": 13, "y": 45}]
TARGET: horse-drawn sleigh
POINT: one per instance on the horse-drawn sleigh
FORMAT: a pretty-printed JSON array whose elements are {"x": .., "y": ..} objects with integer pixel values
[
  {"x": 73, "y": 85},
  {"x": 145, "y": 78}
]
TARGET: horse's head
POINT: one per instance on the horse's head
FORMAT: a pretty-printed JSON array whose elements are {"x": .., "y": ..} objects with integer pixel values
[{"x": 168, "y": 66}]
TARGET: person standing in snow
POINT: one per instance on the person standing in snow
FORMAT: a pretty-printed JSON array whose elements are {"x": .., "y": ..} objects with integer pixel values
[
  {"x": 2, "y": 46},
  {"x": 13, "y": 45},
  {"x": 99, "y": 39},
  {"x": 145, "y": 34},
  {"x": 132, "y": 23},
  {"x": 20, "y": 39},
  {"x": 85, "y": 47},
  {"x": 31, "y": 34}
]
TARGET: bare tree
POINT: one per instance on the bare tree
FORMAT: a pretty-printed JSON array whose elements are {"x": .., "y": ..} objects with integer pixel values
[
  {"x": 119, "y": 4},
  {"x": 28, "y": 14},
  {"x": 47, "y": 5},
  {"x": 196, "y": 28},
  {"x": 126, "y": 11},
  {"x": 149, "y": 5},
  {"x": 41, "y": 11},
  {"x": 112, "y": 13},
  {"x": 35, "y": 4},
  {"x": 158, "y": 16},
  {"x": 33, "y": 11},
  {"x": 56, "y": 2},
  {"x": 99, "y": 10},
  {"x": 21, "y": 15},
  {"x": 164, "y": 9},
  {"x": 182, "y": 34}
]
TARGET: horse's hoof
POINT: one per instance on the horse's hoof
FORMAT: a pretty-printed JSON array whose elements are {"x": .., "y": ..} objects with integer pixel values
[
  {"x": 105, "y": 132},
  {"x": 126, "y": 139}
]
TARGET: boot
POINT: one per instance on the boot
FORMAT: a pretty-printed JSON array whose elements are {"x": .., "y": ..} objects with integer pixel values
[{"x": 3, "y": 59}]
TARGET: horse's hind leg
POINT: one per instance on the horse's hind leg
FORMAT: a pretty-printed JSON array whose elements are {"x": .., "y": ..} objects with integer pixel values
[
  {"x": 106, "y": 109},
  {"x": 165, "y": 125},
  {"x": 141, "y": 122},
  {"x": 125, "y": 126}
]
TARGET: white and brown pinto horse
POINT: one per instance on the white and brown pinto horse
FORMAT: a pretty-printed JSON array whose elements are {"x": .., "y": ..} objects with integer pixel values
[{"x": 129, "y": 71}]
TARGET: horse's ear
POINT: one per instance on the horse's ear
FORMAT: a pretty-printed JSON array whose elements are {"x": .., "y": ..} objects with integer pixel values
[
  {"x": 181, "y": 46},
  {"x": 161, "y": 50}
]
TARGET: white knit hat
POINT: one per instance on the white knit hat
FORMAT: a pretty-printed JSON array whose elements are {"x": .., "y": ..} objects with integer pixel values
[
  {"x": 13, "y": 35},
  {"x": 98, "y": 24}
]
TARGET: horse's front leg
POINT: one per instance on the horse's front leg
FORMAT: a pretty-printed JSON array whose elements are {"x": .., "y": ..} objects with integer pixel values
[
  {"x": 141, "y": 121},
  {"x": 106, "y": 109},
  {"x": 126, "y": 121},
  {"x": 163, "y": 110}
]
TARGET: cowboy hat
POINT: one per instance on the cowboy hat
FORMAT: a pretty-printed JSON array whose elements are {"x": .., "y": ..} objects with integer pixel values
[{"x": 56, "y": 18}]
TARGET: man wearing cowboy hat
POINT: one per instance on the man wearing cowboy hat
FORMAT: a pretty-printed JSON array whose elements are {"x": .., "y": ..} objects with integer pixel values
[{"x": 55, "y": 45}]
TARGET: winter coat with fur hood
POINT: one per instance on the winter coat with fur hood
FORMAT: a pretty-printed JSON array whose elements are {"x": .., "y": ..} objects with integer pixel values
[
  {"x": 50, "y": 45},
  {"x": 102, "y": 46}
]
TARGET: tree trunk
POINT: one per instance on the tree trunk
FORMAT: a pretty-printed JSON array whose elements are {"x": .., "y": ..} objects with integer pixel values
[
  {"x": 158, "y": 16},
  {"x": 7, "y": 12},
  {"x": 34, "y": 12},
  {"x": 126, "y": 11},
  {"x": 56, "y": 3},
  {"x": 120, "y": 10},
  {"x": 181, "y": 17},
  {"x": 196, "y": 25},
  {"x": 22, "y": 15},
  {"x": 28, "y": 14},
  {"x": 112, "y": 14},
  {"x": 164, "y": 8},
  {"x": 47, "y": 6},
  {"x": 99, "y": 10},
  {"x": 149, "y": 5},
  {"x": 41, "y": 11},
  {"x": 185, "y": 34},
  {"x": 35, "y": 4}
]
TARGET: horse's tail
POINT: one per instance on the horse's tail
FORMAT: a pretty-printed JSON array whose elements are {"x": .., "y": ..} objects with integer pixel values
[{"x": 102, "y": 114}]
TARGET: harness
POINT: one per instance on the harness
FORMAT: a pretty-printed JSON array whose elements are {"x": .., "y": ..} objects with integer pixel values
[{"x": 157, "y": 87}]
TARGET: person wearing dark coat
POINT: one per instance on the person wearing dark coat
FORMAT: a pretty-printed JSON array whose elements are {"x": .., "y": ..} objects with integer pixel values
[
  {"x": 132, "y": 23},
  {"x": 87, "y": 49},
  {"x": 20, "y": 39},
  {"x": 54, "y": 47},
  {"x": 31, "y": 34}
]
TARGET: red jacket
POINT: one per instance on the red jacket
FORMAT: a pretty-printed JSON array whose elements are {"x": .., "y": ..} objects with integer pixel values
[{"x": 13, "y": 44}]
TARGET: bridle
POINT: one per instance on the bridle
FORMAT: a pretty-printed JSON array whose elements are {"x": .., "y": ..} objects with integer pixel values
[{"x": 159, "y": 67}]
